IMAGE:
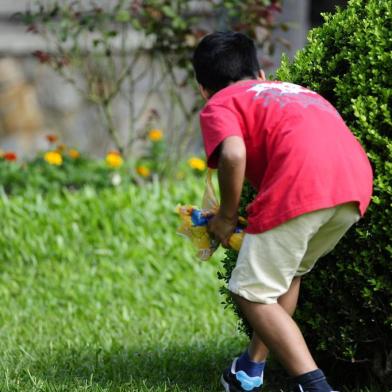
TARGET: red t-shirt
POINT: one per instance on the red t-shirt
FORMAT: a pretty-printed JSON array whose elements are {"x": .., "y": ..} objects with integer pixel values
[{"x": 300, "y": 155}]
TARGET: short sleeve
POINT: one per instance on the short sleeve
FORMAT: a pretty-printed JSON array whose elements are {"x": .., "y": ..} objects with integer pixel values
[{"x": 217, "y": 123}]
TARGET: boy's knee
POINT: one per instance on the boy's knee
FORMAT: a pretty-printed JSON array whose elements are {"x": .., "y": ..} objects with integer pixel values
[{"x": 244, "y": 303}]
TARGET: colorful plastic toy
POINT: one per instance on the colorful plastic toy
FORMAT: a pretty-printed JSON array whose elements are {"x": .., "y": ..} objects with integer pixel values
[{"x": 195, "y": 222}]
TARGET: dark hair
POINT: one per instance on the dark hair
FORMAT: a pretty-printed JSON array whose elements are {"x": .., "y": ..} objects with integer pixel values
[{"x": 224, "y": 57}]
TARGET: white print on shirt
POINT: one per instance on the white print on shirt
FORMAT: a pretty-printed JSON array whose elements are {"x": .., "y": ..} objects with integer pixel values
[
  {"x": 286, "y": 93},
  {"x": 284, "y": 88}
]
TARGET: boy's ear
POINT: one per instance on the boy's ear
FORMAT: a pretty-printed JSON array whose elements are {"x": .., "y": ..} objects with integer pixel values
[
  {"x": 204, "y": 92},
  {"x": 261, "y": 75}
]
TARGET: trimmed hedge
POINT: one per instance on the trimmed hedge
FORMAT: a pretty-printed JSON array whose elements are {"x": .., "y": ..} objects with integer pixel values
[{"x": 345, "y": 309}]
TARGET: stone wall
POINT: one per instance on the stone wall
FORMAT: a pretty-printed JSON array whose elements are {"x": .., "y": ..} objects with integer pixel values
[{"x": 34, "y": 101}]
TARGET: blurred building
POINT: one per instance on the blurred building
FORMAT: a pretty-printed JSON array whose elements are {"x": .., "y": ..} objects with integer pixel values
[{"x": 34, "y": 101}]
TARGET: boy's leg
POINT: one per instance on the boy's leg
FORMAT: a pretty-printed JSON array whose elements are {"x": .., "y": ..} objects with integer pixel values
[
  {"x": 257, "y": 350},
  {"x": 280, "y": 333},
  {"x": 265, "y": 269},
  {"x": 252, "y": 361}
]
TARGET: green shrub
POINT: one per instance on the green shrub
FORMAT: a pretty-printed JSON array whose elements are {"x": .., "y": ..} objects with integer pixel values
[{"x": 345, "y": 310}]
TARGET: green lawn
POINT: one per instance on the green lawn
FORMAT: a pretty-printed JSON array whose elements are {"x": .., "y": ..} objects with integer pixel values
[{"x": 98, "y": 293}]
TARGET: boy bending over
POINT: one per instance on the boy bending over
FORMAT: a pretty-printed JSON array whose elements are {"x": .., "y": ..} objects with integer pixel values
[{"x": 314, "y": 182}]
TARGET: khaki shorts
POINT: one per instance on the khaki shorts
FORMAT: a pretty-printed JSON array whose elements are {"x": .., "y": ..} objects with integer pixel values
[{"x": 268, "y": 262}]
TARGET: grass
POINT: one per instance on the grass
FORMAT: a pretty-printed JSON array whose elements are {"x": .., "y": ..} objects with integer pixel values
[{"x": 98, "y": 293}]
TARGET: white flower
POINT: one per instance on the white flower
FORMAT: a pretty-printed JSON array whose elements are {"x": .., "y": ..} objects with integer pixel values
[{"x": 116, "y": 179}]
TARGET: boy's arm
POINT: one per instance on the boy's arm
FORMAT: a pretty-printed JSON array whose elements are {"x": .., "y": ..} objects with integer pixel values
[{"x": 231, "y": 173}]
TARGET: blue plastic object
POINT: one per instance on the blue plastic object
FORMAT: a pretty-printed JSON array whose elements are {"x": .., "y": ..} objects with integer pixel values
[{"x": 199, "y": 219}]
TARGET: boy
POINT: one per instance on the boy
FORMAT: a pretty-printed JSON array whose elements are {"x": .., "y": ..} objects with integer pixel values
[{"x": 313, "y": 179}]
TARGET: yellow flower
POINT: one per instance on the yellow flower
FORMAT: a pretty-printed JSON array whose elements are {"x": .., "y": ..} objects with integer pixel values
[
  {"x": 143, "y": 171},
  {"x": 155, "y": 135},
  {"x": 114, "y": 159},
  {"x": 197, "y": 164},
  {"x": 53, "y": 158},
  {"x": 74, "y": 154}
]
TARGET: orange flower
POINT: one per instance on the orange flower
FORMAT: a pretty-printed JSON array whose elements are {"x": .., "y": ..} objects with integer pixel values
[
  {"x": 51, "y": 138},
  {"x": 74, "y": 154},
  {"x": 155, "y": 135},
  {"x": 53, "y": 158},
  {"x": 143, "y": 171},
  {"x": 9, "y": 156},
  {"x": 114, "y": 159}
]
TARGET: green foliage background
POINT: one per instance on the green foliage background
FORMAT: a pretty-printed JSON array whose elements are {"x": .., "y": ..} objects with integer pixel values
[
  {"x": 19, "y": 177},
  {"x": 346, "y": 305}
]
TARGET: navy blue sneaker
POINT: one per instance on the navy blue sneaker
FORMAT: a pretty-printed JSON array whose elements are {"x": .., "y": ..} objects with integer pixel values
[{"x": 234, "y": 381}]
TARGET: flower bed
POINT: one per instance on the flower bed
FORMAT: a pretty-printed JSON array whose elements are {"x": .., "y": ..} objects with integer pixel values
[{"x": 63, "y": 167}]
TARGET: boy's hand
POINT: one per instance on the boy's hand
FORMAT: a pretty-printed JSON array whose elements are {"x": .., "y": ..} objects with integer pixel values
[{"x": 221, "y": 228}]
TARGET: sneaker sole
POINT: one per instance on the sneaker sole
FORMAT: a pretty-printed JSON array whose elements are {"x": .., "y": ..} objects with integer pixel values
[{"x": 225, "y": 384}]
